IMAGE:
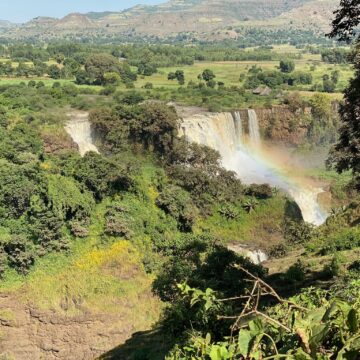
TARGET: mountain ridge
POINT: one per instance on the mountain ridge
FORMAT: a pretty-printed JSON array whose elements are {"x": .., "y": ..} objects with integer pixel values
[{"x": 200, "y": 18}]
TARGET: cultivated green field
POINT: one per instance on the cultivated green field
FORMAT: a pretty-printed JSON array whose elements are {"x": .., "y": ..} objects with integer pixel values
[{"x": 229, "y": 72}]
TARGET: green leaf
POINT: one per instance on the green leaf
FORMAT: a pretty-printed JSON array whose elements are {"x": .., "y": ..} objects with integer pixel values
[
  {"x": 215, "y": 353},
  {"x": 256, "y": 327},
  {"x": 319, "y": 333},
  {"x": 301, "y": 355},
  {"x": 244, "y": 342},
  {"x": 353, "y": 321},
  {"x": 224, "y": 353}
]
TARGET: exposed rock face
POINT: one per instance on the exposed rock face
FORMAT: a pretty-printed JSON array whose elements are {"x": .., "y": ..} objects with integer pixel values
[
  {"x": 280, "y": 124},
  {"x": 55, "y": 143},
  {"x": 27, "y": 333}
]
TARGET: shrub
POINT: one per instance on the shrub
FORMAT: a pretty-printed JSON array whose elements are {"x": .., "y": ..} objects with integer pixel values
[
  {"x": 20, "y": 254},
  {"x": 298, "y": 232},
  {"x": 262, "y": 191},
  {"x": 148, "y": 85},
  {"x": 278, "y": 251},
  {"x": 295, "y": 273},
  {"x": 333, "y": 269},
  {"x": 117, "y": 224},
  {"x": 177, "y": 203},
  {"x": 229, "y": 212}
]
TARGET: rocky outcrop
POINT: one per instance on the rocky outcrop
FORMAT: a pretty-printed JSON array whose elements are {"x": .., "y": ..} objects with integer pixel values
[
  {"x": 57, "y": 142},
  {"x": 29, "y": 333}
]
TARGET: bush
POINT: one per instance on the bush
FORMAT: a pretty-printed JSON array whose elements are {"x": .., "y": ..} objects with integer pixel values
[
  {"x": 177, "y": 203},
  {"x": 333, "y": 269},
  {"x": 278, "y": 251},
  {"x": 148, "y": 85},
  {"x": 298, "y": 232},
  {"x": 355, "y": 266},
  {"x": 20, "y": 253},
  {"x": 117, "y": 224},
  {"x": 295, "y": 273},
  {"x": 229, "y": 212},
  {"x": 287, "y": 66},
  {"x": 262, "y": 191}
]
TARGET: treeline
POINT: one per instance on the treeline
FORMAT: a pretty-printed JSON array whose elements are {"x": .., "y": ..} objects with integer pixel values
[
  {"x": 255, "y": 36},
  {"x": 135, "y": 54}
]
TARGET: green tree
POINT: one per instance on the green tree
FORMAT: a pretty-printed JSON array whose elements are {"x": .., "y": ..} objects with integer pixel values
[
  {"x": 287, "y": 66},
  {"x": 54, "y": 72},
  {"x": 177, "y": 203},
  {"x": 171, "y": 76},
  {"x": 345, "y": 155},
  {"x": 208, "y": 75},
  {"x": 328, "y": 86},
  {"x": 179, "y": 75},
  {"x": 335, "y": 75},
  {"x": 111, "y": 78},
  {"x": 98, "y": 65}
]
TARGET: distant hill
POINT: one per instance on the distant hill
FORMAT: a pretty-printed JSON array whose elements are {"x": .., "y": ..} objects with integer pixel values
[{"x": 202, "y": 19}]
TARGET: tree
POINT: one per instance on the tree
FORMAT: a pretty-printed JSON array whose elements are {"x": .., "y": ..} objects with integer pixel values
[
  {"x": 156, "y": 127},
  {"x": 346, "y": 20},
  {"x": 102, "y": 176},
  {"x": 208, "y": 75},
  {"x": 111, "y": 78},
  {"x": 335, "y": 75},
  {"x": 287, "y": 66},
  {"x": 179, "y": 74},
  {"x": 54, "y": 72},
  {"x": 98, "y": 65},
  {"x": 82, "y": 78},
  {"x": 321, "y": 107},
  {"x": 328, "y": 86},
  {"x": 345, "y": 155},
  {"x": 177, "y": 203},
  {"x": 171, "y": 76},
  {"x": 59, "y": 58}
]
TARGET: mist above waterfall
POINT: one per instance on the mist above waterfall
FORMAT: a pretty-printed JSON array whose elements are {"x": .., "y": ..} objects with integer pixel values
[{"x": 243, "y": 154}]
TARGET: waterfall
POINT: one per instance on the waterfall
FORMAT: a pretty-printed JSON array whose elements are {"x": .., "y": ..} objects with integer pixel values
[
  {"x": 254, "y": 131},
  {"x": 223, "y": 132},
  {"x": 238, "y": 127},
  {"x": 79, "y": 128},
  {"x": 255, "y": 256}
]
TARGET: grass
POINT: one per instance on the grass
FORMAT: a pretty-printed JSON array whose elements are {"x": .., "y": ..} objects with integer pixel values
[{"x": 229, "y": 72}]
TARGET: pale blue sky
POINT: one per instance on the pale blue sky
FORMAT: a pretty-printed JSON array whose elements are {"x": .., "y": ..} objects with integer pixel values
[{"x": 24, "y": 10}]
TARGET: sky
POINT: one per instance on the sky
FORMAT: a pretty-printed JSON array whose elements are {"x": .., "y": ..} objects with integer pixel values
[{"x": 23, "y": 10}]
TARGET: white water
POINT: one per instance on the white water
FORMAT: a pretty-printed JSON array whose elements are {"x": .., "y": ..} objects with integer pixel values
[
  {"x": 255, "y": 256},
  {"x": 238, "y": 127},
  {"x": 254, "y": 131},
  {"x": 222, "y": 132},
  {"x": 79, "y": 128}
]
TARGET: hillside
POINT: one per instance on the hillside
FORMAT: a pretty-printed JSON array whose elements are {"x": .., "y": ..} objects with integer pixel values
[{"x": 200, "y": 19}]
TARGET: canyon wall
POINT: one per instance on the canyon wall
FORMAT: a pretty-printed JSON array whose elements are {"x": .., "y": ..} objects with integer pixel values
[{"x": 280, "y": 124}]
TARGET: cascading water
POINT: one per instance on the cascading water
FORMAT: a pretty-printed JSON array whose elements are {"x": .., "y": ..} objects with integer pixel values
[
  {"x": 79, "y": 128},
  {"x": 223, "y": 132},
  {"x": 254, "y": 131},
  {"x": 238, "y": 126}
]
